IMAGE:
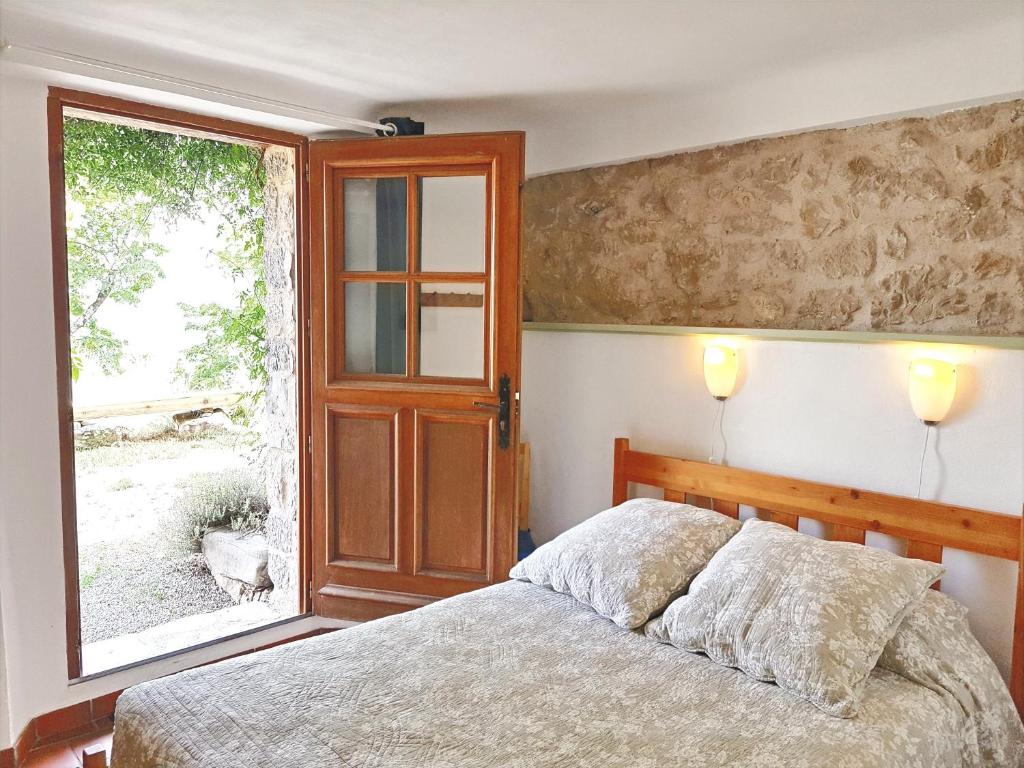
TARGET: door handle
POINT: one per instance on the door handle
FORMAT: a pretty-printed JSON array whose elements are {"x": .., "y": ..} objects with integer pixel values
[{"x": 503, "y": 409}]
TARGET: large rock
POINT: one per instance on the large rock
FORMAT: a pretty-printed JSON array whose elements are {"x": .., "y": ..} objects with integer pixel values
[
  {"x": 198, "y": 423},
  {"x": 238, "y": 562}
]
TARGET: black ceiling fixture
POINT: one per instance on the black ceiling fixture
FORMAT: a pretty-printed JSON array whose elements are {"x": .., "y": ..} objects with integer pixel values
[{"x": 403, "y": 126}]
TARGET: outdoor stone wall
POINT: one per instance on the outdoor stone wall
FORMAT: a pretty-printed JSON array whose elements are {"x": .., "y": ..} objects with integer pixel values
[
  {"x": 913, "y": 225},
  {"x": 281, "y": 430}
]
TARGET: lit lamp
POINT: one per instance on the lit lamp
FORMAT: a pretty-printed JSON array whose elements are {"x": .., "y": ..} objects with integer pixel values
[
  {"x": 720, "y": 366},
  {"x": 932, "y": 388}
]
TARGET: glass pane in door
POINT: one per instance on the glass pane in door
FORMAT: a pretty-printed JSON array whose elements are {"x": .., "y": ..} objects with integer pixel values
[
  {"x": 375, "y": 225},
  {"x": 453, "y": 224},
  {"x": 375, "y": 328},
  {"x": 451, "y": 330}
]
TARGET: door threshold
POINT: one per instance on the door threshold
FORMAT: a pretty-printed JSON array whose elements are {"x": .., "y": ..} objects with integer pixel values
[{"x": 193, "y": 647}]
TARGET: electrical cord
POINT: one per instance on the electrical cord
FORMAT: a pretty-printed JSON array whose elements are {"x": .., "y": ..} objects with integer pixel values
[
  {"x": 718, "y": 429},
  {"x": 924, "y": 451}
]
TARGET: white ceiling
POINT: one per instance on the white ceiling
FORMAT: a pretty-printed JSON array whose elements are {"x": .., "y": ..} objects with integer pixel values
[
  {"x": 425, "y": 50},
  {"x": 590, "y": 80}
]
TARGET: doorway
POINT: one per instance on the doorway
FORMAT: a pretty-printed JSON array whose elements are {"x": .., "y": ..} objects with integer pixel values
[
  {"x": 347, "y": 409},
  {"x": 179, "y": 287}
]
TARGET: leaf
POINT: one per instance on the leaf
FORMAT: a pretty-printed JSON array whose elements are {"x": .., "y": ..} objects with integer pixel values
[{"x": 120, "y": 181}]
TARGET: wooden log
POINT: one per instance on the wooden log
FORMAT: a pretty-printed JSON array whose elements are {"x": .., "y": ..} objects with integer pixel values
[{"x": 197, "y": 402}]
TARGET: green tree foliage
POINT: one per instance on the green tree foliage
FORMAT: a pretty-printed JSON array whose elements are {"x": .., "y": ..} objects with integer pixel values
[
  {"x": 126, "y": 179},
  {"x": 110, "y": 258},
  {"x": 235, "y": 338},
  {"x": 180, "y": 175}
]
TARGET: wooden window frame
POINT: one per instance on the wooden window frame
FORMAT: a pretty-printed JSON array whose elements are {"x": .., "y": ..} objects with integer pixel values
[
  {"x": 58, "y": 101},
  {"x": 413, "y": 276}
]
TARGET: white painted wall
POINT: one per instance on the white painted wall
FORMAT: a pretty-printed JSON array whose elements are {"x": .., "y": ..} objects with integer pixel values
[{"x": 836, "y": 413}]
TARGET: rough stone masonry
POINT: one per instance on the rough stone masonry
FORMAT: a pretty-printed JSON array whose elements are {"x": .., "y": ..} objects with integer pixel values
[
  {"x": 281, "y": 433},
  {"x": 913, "y": 225}
]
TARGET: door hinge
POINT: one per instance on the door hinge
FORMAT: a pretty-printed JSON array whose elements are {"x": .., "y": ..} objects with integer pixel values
[
  {"x": 309, "y": 443},
  {"x": 307, "y": 172},
  {"x": 309, "y": 590}
]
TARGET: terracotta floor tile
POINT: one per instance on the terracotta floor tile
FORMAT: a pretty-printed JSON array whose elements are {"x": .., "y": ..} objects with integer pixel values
[
  {"x": 63, "y": 720},
  {"x": 68, "y": 754},
  {"x": 58, "y": 756}
]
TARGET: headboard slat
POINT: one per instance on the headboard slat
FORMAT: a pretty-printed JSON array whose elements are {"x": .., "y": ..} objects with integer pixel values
[
  {"x": 728, "y": 508},
  {"x": 782, "y": 518},
  {"x": 927, "y": 526},
  {"x": 923, "y": 551},
  {"x": 846, "y": 533}
]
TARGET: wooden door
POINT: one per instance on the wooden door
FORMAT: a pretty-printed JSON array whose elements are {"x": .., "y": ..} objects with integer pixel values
[{"x": 415, "y": 329}]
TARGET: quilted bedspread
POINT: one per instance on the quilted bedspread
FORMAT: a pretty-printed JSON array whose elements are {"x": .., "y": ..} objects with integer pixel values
[{"x": 514, "y": 675}]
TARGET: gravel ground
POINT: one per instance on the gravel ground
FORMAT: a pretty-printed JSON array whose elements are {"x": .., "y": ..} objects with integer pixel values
[
  {"x": 137, "y": 586},
  {"x": 128, "y": 580}
]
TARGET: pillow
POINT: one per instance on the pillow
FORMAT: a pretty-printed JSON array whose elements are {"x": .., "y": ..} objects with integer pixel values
[
  {"x": 810, "y": 615},
  {"x": 628, "y": 562},
  {"x": 934, "y": 647}
]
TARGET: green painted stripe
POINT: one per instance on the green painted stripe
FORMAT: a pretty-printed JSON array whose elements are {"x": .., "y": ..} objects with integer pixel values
[{"x": 829, "y": 337}]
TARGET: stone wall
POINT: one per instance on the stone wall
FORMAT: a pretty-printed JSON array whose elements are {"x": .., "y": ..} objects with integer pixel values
[
  {"x": 281, "y": 430},
  {"x": 913, "y": 225}
]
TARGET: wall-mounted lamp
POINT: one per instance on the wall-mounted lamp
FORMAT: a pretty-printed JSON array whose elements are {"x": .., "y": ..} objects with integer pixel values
[
  {"x": 720, "y": 366},
  {"x": 932, "y": 388},
  {"x": 932, "y": 385}
]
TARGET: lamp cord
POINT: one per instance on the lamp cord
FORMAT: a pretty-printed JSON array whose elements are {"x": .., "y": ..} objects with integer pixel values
[
  {"x": 717, "y": 428},
  {"x": 924, "y": 451}
]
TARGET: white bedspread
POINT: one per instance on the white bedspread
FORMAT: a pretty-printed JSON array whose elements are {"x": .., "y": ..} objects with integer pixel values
[{"x": 514, "y": 675}]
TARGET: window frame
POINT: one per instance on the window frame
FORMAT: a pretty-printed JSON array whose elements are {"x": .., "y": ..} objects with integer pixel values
[{"x": 122, "y": 110}]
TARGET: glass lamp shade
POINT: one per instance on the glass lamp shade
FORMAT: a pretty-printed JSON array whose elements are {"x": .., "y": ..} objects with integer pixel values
[
  {"x": 932, "y": 388},
  {"x": 720, "y": 366}
]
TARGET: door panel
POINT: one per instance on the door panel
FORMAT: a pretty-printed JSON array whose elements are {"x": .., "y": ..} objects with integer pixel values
[
  {"x": 453, "y": 223},
  {"x": 363, "y": 463},
  {"x": 374, "y": 220},
  {"x": 453, "y": 504},
  {"x": 415, "y": 323},
  {"x": 451, "y": 330},
  {"x": 373, "y": 314}
]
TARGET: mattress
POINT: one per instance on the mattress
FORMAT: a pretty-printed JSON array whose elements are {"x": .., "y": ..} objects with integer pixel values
[{"x": 512, "y": 675}]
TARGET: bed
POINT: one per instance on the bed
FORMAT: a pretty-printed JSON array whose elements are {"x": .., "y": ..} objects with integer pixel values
[{"x": 519, "y": 675}]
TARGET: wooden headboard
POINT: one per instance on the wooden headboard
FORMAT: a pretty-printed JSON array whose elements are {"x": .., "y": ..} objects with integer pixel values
[{"x": 927, "y": 526}]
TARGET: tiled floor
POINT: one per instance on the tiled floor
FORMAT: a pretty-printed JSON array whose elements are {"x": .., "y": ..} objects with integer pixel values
[{"x": 67, "y": 754}]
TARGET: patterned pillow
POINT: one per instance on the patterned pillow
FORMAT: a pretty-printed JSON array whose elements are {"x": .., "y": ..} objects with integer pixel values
[
  {"x": 628, "y": 562},
  {"x": 810, "y": 615},
  {"x": 934, "y": 647}
]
